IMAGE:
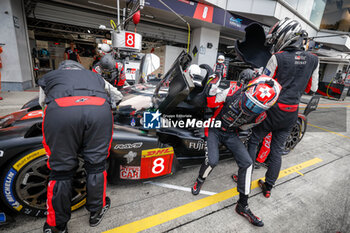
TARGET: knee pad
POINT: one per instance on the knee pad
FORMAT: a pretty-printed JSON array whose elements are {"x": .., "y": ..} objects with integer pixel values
[{"x": 95, "y": 168}]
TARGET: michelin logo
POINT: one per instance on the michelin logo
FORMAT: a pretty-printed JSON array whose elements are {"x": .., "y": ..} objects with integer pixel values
[{"x": 8, "y": 188}]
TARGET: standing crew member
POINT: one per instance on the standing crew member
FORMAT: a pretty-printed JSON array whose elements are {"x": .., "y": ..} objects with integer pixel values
[
  {"x": 220, "y": 67},
  {"x": 71, "y": 53},
  {"x": 238, "y": 108},
  {"x": 295, "y": 69},
  {"x": 77, "y": 120}
]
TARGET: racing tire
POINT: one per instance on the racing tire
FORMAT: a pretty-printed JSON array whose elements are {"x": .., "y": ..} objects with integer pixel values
[
  {"x": 24, "y": 184},
  {"x": 294, "y": 138}
]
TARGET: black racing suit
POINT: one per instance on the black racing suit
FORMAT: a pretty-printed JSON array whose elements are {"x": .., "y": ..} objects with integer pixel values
[
  {"x": 111, "y": 69},
  {"x": 294, "y": 70},
  {"x": 77, "y": 120},
  {"x": 232, "y": 120},
  {"x": 221, "y": 68}
]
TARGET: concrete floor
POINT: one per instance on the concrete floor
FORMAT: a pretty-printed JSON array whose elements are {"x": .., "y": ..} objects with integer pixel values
[{"x": 317, "y": 200}]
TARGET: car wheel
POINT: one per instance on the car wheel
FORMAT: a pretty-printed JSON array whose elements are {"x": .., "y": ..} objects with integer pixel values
[
  {"x": 24, "y": 184},
  {"x": 293, "y": 139}
]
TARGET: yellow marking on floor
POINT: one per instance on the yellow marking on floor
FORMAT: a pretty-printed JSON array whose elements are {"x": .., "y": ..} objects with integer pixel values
[
  {"x": 330, "y": 131},
  {"x": 300, "y": 173},
  {"x": 191, "y": 207}
]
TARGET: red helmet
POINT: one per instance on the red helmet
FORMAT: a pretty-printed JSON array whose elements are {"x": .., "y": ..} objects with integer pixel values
[{"x": 262, "y": 94}]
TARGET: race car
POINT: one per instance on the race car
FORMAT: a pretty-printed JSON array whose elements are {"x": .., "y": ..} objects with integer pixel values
[{"x": 137, "y": 152}]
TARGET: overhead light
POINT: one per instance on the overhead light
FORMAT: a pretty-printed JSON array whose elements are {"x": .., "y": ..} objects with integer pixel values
[
  {"x": 103, "y": 5},
  {"x": 88, "y": 31},
  {"x": 150, "y": 16}
]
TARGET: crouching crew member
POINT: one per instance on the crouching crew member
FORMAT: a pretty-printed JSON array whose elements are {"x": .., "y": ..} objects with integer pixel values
[
  {"x": 77, "y": 120},
  {"x": 238, "y": 108},
  {"x": 111, "y": 70}
]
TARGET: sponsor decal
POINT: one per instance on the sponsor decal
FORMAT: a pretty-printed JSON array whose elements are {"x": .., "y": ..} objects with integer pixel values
[
  {"x": 130, "y": 172},
  {"x": 7, "y": 189},
  {"x": 133, "y": 123},
  {"x": 81, "y": 100},
  {"x": 130, "y": 156},
  {"x": 127, "y": 146},
  {"x": 267, "y": 72},
  {"x": 236, "y": 21},
  {"x": 28, "y": 158},
  {"x": 196, "y": 145},
  {"x": 156, "y": 162},
  {"x": 152, "y": 120},
  {"x": 157, "y": 152}
]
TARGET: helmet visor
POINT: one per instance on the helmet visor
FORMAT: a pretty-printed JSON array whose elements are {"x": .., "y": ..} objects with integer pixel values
[{"x": 251, "y": 106}]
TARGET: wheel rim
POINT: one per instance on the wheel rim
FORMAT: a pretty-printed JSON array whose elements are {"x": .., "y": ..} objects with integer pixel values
[
  {"x": 31, "y": 184},
  {"x": 293, "y": 138}
]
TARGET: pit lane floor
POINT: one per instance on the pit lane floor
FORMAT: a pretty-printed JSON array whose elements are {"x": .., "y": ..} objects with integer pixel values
[{"x": 312, "y": 195}]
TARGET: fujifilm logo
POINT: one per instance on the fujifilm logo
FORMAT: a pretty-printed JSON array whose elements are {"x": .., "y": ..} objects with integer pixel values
[{"x": 198, "y": 145}]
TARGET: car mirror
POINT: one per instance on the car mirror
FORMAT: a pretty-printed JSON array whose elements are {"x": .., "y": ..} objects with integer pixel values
[{"x": 149, "y": 63}]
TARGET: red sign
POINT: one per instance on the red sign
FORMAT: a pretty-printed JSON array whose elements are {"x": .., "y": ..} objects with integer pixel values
[
  {"x": 204, "y": 12},
  {"x": 129, "y": 39},
  {"x": 129, "y": 172},
  {"x": 156, "y": 162}
]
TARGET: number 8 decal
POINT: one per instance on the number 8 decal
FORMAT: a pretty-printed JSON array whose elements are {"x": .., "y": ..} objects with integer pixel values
[
  {"x": 205, "y": 12},
  {"x": 158, "y": 163},
  {"x": 129, "y": 40}
]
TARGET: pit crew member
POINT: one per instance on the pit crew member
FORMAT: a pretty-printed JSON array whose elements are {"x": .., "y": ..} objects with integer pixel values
[
  {"x": 77, "y": 120},
  {"x": 296, "y": 70},
  {"x": 110, "y": 69},
  {"x": 220, "y": 67}
]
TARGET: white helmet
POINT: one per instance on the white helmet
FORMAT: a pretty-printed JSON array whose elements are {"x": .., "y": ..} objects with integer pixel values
[
  {"x": 284, "y": 33},
  {"x": 105, "y": 48},
  {"x": 221, "y": 58},
  {"x": 194, "y": 70}
]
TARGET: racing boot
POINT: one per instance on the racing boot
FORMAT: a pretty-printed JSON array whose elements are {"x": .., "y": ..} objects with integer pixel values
[
  {"x": 197, "y": 186},
  {"x": 50, "y": 229},
  {"x": 96, "y": 217},
  {"x": 265, "y": 188},
  {"x": 247, "y": 213}
]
